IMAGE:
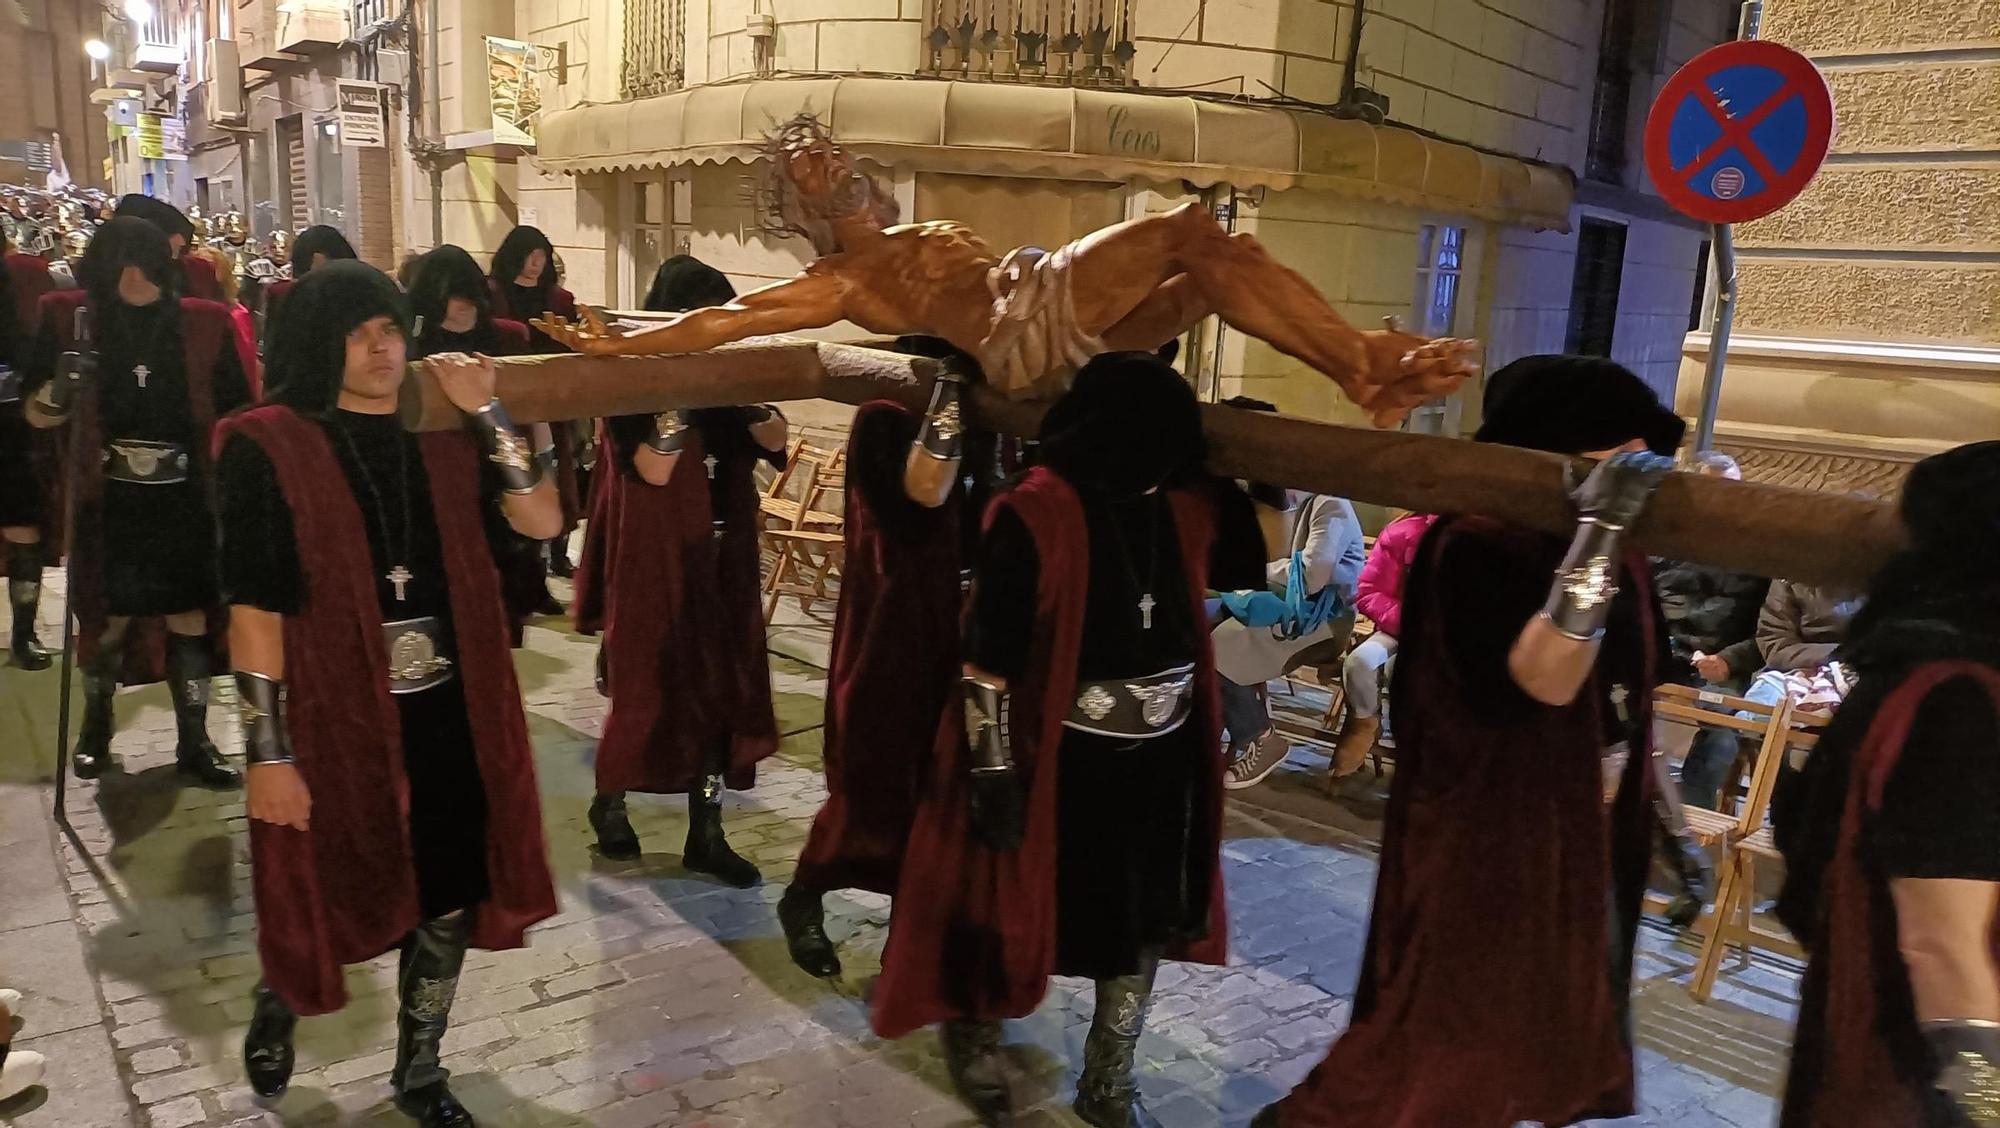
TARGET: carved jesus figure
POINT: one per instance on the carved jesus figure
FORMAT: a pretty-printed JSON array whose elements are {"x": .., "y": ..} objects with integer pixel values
[{"x": 1032, "y": 317}]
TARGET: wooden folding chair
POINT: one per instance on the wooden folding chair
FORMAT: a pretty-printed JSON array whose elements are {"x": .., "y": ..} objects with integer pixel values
[
  {"x": 1746, "y": 841},
  {"x": 793, "y": 499},
  {"x": 811, "y": 549}
]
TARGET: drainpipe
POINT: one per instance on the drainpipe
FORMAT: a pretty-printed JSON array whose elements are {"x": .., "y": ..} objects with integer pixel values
[
  {"x": 437, "y": 125},
  {"x": 1722, "y": 303},
  {"x": 1349, "y": 74}
]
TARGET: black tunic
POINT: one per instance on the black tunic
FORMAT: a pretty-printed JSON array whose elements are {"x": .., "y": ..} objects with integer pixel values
[
  {"x": 159, "y": 541},
  {"x": 261, "y": 568},
  {"x": 1128, "y": 879},
  {"x": 20, "y": 469}
]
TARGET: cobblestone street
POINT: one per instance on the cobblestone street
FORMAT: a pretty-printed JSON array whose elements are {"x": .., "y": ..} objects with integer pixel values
[{"x": 658, "y": 998}]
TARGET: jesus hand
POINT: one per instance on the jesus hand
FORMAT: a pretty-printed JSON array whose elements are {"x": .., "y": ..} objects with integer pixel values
[
  {"x": 1405, "y": 370},
  {"x": 590, "y": 334}
]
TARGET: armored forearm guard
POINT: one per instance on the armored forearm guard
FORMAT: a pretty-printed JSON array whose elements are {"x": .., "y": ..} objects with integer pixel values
[
  {"x": 1580, "y": 600},
  {"x": 670, "y": 431},
  {"x": 986, "y": 708},
  {"x": 943, "y": 434},
  {"x": 1968, "y": 1065},
  {"x": 261, "y": 701},
  {"x": 503, "y": 446}
]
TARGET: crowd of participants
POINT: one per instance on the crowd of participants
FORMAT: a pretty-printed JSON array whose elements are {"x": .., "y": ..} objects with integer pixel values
[{"x": 1108, "y": 666}]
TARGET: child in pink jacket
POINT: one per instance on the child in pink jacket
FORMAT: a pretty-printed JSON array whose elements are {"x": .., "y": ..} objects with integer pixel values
[{"x": 1379, "y": 596}]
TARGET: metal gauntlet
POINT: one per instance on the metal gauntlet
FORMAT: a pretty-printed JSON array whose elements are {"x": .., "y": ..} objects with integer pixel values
[
  {"x": 1580, "y": 600},
  {"x": 55, "y": 398},
  {"x": 933, "y": 466},
  {"x": 262, "y": 704},
  {"x": 986, "y": 708},
  {"x": 943, "y": 434},
  {"x": 1968, "y": 1064},
  {"x": 670, "y": 431},
  {"x": 503, "y": 446}
]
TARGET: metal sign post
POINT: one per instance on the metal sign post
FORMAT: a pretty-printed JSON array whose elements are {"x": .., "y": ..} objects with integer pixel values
[{"x": 1736, "y": 134}]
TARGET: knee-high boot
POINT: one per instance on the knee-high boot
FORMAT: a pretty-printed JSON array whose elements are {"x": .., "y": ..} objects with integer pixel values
[
  {"x": 189, "y": 670},
  {"x": 267, "y": 1045},
  {"x": 1107, "y": 1095},
  {"x": 427, "y": 982},
  {"x": 978, "y": 1071},
  {"x": 24, "y": 592},
  {"x": 92, "y": 755},
  {"x": 707, "y": 851}
]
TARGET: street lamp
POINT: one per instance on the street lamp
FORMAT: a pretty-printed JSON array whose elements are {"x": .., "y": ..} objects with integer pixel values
[
  {"x": 97, "y": 49},
  {"x": 138, "y": 11}
]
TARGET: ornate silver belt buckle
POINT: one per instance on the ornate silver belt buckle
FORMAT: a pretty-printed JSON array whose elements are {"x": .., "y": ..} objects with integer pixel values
[
  {"x": 1136, "y": 709},
  {"x": 414, "y": 661},
  {"x": 142, "y": 462}
]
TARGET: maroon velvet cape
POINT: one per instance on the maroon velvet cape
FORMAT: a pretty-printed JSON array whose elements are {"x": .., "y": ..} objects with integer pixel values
[
  {"x": 205, "y": 331},
  {"x": 974, "y": 932},
  {"x": 1487, "y": 993},
  {"x": 1855, "y": 1052},
  {"x": 895, "y": 663},
  {"x": 683, "y": 626},
  {"x": 345, "y": 890},
  {"x": 30, "y": 277}
]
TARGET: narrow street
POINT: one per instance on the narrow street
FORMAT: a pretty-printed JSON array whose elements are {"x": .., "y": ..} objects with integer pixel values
[{"x": 658, "y": 998}]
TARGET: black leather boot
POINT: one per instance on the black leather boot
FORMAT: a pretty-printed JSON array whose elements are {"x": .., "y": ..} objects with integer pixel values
[
  {"x": 615, "y": 836},
  {"x": 24, "y": 591},
  {"x": 707, "y": 851},
  {"x": 427, "y": 982},
  {"x": 188, "y": 672},
  {"x": 1107, "y": 1095},
  {"x": 803, "y": 917},
  {"x": 978, "y": 1071},
  {"x": 267, "y": 1047},
  {"x": 92, "y": 756}
]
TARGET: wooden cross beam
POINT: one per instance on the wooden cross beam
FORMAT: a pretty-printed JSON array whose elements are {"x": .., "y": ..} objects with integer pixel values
[{"x": 1768, "y": 530}]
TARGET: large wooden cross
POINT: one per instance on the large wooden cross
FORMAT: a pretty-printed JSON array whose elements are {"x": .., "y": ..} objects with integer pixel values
[{"x": 1769, "y": 530}]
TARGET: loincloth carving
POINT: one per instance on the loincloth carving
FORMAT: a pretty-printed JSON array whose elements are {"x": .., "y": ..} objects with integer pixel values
[{"x": 1035, "y": 344}]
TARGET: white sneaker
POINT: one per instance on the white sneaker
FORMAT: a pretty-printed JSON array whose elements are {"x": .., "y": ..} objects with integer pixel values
[
  {"x": 21, "y": 1071},
  {"x": 10, "y": 1001}
]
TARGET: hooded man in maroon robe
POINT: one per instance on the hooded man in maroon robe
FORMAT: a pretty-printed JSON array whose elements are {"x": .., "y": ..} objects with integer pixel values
[
  {"x": 391, "y": 784},
  {"x": 895, "y": 654},
  {"x": 198, "y": 278},
  {"x": 670, "y": 575},
  {"x": 161, "y": 370},
  {"x": 30, "y": 515},
  {"x": 1496, "y": 983},
  {"x": 1891, "y": 833},
  {"x": 1071, "y": 820}
]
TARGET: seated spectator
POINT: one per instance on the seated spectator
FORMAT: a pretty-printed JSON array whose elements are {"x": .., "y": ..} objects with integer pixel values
[
  {"x": 1711, "y": 617},
  {"x": 1798, "y": 631},
  {"x": 1267, "y": 634},
  {"x": 1379, "y": 595}
]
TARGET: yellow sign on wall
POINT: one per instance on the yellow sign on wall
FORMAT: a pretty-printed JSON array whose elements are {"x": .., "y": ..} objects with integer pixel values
[{"x": 152, "y": 139}]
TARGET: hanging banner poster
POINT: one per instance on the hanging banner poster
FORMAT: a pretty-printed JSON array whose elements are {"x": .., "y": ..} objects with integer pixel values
[
  {"x": 361, "y": 105},
  {"x": 517, "y": 93},
  {"x": 173, "y": 139}
]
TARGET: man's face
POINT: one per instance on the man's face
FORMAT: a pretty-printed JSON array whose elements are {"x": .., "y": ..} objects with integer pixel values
[
  {"x": 175, "y": 243},
  {"x": 375, "y": 359}
]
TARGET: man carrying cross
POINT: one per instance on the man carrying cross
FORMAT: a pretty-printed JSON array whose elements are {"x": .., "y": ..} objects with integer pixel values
[{"x": 670, "y": 576}]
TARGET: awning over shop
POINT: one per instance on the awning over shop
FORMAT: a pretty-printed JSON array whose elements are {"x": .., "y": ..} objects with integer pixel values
[{"x": 1022, "y": 130}]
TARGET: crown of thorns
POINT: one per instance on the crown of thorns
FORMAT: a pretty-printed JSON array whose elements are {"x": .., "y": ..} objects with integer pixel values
[{"x": 782, "y": 207}]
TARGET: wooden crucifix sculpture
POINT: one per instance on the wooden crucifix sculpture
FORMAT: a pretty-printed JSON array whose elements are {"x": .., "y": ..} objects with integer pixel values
[{"x": 1032, "y": 317}]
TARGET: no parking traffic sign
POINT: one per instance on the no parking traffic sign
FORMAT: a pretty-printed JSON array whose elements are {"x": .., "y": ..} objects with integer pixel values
[{"x": 1739, "y": 131}]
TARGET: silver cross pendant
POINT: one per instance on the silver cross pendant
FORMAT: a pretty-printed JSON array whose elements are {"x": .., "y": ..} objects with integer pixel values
[{"x": 141, "y": 372}]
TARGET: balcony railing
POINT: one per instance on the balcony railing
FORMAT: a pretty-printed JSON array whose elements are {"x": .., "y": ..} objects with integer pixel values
[
  {"x": 1063, "y": 42},
  {"x": 655, "y": 47}
]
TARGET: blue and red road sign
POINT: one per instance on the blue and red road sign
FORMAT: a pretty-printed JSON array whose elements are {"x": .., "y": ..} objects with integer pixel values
[{"x": 1739, "y": 131}]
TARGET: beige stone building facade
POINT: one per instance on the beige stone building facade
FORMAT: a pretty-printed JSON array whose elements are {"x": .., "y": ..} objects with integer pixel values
[
  {"x": 1482, "y": 177},
  {"x": 1868, "y": 332}
]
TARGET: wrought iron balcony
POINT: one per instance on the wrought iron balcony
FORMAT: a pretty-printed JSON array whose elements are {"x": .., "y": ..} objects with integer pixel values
[{"x": 1060, "y": 42}]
